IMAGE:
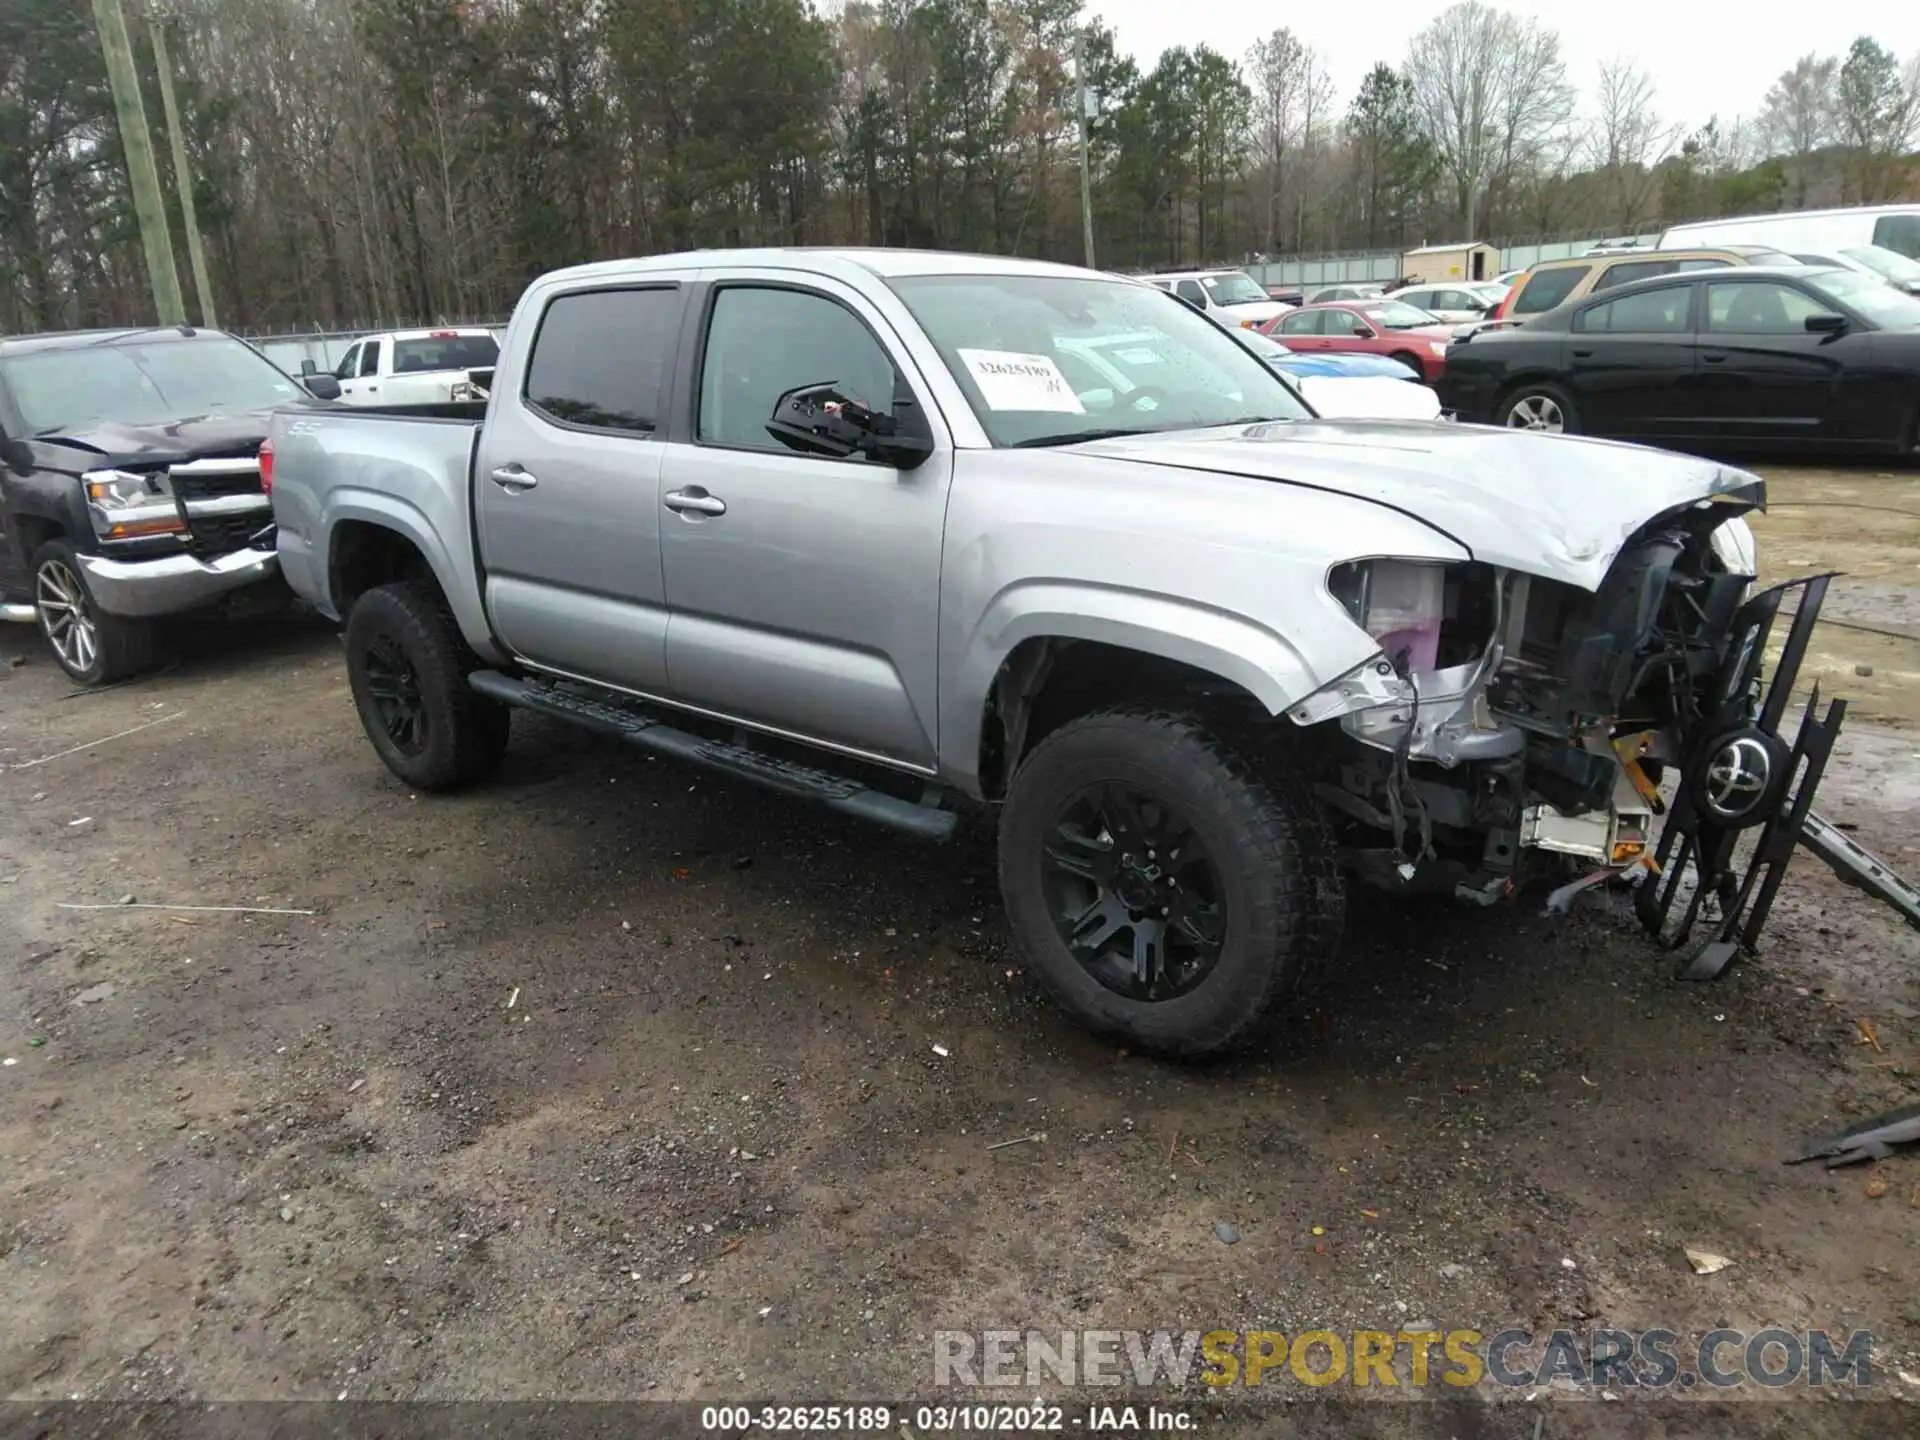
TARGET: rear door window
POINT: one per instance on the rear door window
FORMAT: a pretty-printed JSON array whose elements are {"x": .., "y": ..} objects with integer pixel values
[
  {"x": 1547, "y": 288},
  {"x": 1190, "y": 290},
  {"x": 1651, "y": 312},
  {"x": 1303, "y": 322},
  {"x": 601, "y": 358}
]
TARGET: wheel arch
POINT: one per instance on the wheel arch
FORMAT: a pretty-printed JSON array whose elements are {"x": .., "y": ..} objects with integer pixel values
[
  {"x": 1045, "y": 652},
  {"x": 372, "y": 539}
]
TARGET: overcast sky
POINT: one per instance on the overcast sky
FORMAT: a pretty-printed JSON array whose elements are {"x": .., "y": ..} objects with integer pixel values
[{"x": 1707, "y": 57}]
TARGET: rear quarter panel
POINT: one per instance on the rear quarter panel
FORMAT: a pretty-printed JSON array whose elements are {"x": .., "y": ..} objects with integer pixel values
[
  {"x": 1482, "y": 370},
  {"x": 404, "y": 474}
]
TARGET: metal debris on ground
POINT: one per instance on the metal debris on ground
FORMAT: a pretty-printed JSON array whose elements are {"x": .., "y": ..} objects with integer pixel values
[
  {"x": 91, "y": 744},
  {"x": 514, "y": 998},
  {"x": 1868, "y": 1036},
  {"x": 198, "y": 909},
  {"x": 1705, "y": 1262},
  {"x": 1871, "y": 1139},
  {"x": 1035, "y": 1139},
  {"x": 941, "y": 1051}
]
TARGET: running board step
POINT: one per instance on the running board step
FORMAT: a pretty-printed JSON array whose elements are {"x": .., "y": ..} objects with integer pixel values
[
  {"x": 836, "y": 792},
  {"x": 19, "y": 614}
]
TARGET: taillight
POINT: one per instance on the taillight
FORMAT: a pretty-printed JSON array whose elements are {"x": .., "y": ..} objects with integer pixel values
[
  {"x": 266, "y": 466},
  {"x": 1506, "y": 300}
]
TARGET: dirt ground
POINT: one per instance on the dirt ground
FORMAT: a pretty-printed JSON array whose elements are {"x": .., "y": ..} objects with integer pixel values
[{"x": 611, "y": 1081}]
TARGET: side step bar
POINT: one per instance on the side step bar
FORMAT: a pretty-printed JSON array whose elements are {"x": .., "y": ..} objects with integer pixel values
[
  {"x": 836, "y": 792},
  {"x": 19, "y": 614}
]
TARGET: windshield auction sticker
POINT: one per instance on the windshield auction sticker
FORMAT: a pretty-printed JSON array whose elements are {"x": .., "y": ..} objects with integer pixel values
[{"x": 1012, "y": 381}]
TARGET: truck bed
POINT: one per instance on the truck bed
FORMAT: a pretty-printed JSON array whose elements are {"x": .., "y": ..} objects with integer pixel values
[{"x": 406, "y": 468}]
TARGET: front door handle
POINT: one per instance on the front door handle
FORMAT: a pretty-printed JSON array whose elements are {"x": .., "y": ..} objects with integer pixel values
[
  {"x": 513, "y": 479},
  {"x": 1714, "y": 359},
  {"x": 1583, "y": 354},
  {"x": 696, "y": 500}
]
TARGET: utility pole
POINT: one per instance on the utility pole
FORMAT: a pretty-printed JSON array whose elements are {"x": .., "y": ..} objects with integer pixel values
[
  {"x": 142, "y": 176},
  {"x": 182, "y": 176},
  {"x": 1086, "y": 114}
]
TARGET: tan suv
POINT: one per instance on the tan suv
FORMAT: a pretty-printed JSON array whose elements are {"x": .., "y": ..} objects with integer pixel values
[{"x": 1553, "y": 283}]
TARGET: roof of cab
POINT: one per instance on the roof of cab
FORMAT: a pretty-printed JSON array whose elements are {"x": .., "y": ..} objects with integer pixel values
[
  {"x": 887, "y": 264},
  {"x": 75, "y": 339}
]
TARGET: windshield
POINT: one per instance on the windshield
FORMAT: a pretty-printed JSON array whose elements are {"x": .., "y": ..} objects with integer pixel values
[
  {"x": 1871, "y": 297},
  {"x": 1050, "y": 359},
  {"x": 132, "y": 383},
  {"x": 1235, "y": 287},
  {"x": 1887, "y": 263},
  {"x": 1394, "y": 315}
]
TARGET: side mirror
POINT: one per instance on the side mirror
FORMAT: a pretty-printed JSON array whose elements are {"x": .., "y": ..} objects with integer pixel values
[
  {"x": 1362, "y": 332},
  {"x": 818, "y": 420},
  {"x": 321, "y": 387},
  {"x": 1827, "y": 324},
  {"x": 307, "y": 367},
  {"x": 14, "y": 455}
]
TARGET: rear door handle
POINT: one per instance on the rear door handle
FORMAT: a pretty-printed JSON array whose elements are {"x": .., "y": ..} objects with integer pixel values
[
  {"x": 1583, "y": 354},
  {"x": 1715, "y": 358},
  {"x": 513, "y": 479},
  {"x": 696, "y": 500}
]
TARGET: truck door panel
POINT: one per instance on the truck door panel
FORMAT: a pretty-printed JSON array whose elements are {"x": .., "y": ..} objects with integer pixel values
[
  {"x": 811, "y": 603},
  {"x": 566, "y": 489}
]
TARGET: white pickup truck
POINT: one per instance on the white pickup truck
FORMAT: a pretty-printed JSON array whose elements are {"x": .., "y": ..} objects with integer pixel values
[{"x": 418, "y": 367}]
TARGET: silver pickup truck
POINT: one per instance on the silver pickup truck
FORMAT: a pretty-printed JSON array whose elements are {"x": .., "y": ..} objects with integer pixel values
[{"x": 901, "y": 531}]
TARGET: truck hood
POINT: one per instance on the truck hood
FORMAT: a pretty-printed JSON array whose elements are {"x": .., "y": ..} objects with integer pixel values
[
  {"x": 109, "y": 443},
  {"x": 1550, "y": 505}
]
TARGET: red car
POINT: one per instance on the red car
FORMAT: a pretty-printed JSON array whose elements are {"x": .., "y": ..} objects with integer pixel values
[{"x": 1367, "y": 327}]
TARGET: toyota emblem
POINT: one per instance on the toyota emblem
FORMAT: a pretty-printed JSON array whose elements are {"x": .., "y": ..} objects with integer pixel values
[{"x": 1738, "y": 775}]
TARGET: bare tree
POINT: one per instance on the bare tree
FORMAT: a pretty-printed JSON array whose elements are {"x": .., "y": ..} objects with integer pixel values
[
  {"x": 1490, "y": 88},
  {"x": 1797, "y": 117},
  {"x": 1293, "y": 97},
  {"x": 1628, "y": 141}
]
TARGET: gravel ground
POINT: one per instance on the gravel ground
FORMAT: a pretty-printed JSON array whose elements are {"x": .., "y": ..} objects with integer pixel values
[{"x": 610, "y": 1081}]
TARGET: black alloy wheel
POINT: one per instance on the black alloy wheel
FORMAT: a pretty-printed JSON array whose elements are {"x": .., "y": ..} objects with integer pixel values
[
  {"x": 393, "y": 693},
  {"x": 1134, "y": 894}
]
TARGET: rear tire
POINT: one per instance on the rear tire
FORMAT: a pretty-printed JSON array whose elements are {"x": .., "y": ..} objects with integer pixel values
[
  {"x": 1138, "y": 839},
  {"x": 93, "y": 647},
  {"x": 1411, "y": 361},
  {"x": 408, "y": 667},
  {"x": 1545, "y": 409}
]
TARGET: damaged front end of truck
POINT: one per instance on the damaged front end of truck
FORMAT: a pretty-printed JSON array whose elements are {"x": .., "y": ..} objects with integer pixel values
[{"x": 1517, "y": 727}]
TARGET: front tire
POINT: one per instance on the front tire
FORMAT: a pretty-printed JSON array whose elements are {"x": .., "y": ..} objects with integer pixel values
[
  {"x": 408, "y": 666},
  {"x": 93, "y": 647},
  {"x": 1163, "y": 887},
  {"x": 1544, "y": 409}
]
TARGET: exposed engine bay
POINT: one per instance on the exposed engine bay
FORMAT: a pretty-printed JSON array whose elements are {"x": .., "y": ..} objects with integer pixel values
[{"x": 1514, "y": 724}]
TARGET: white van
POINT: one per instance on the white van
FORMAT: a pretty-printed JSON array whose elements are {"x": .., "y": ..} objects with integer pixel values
[{"x": 1891, "y": 227}]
